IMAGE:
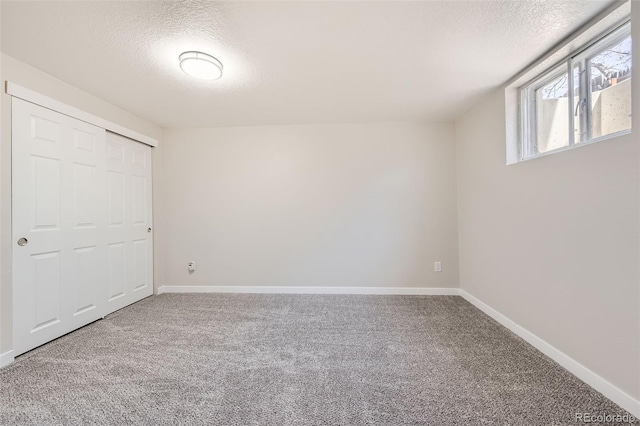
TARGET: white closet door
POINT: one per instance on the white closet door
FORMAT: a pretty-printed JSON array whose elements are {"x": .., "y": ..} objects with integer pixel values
[
  {"x": 129, "y": 221},
  {"x": 81, "y": 203},
  {"x": 58, "y": 168}
]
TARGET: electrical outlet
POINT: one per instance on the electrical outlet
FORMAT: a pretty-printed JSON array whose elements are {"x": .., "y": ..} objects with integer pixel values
[
  {"x": 191, "y": 266},
  {"x": 437, "y": 266}
]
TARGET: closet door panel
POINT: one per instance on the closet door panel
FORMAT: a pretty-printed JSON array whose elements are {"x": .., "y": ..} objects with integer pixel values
[
  {"x": 141, "y": 220},
  {"x": 88, "y": 222},
  {"x": 55, "y": 203},
  {"x": 129, "y": 218}
]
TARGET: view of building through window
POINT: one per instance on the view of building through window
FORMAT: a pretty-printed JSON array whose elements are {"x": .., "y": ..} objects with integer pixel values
[{"x": 610, "y": 89}]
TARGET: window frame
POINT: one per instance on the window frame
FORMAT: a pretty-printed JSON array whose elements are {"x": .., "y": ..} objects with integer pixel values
[{"x": 581, "y": 111}]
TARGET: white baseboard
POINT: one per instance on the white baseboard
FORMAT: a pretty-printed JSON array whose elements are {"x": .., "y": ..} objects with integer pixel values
[
  {"x": 427, "y": 291},
  {"x": 6, "y": 358},
  {"x": 600, "y": 384}
]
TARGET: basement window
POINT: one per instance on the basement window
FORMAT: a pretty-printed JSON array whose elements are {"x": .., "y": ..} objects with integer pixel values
[{"x": 583, "y": 99}]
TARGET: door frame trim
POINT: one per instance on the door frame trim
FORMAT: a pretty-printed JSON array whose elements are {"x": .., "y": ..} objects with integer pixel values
[{"x": 28, "y": 95}]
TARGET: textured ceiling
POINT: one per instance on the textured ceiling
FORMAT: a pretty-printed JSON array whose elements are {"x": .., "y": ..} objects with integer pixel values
[{"x": 289, "y": 62}]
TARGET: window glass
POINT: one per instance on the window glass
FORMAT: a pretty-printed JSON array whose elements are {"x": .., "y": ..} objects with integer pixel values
[
  {"x": 552, "y": 114},
  {"x": 610, "y": 89}
]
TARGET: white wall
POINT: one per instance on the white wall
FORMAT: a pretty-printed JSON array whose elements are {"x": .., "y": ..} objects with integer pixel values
[
  {"x": 27, "y": 76},
  {"x": 553, "y": 243},
  {"x": 310, "y": 205}
]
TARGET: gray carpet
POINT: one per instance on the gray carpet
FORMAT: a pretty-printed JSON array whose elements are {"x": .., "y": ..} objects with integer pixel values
[{"x": 249, "y": 359}]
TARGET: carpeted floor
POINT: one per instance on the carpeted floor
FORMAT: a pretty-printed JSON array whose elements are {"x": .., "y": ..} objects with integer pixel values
[{"x": 248, "y": 359}]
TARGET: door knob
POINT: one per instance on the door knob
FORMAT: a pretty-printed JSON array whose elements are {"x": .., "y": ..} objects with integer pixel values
[
  {"x": 149, "y": 230},
  {"x": 23, "y": 242}
]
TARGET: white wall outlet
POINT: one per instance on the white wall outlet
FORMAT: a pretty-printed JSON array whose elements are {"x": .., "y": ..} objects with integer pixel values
[
  {"x": 191, "y": 266},
  {"x": 437, "y": 266}
]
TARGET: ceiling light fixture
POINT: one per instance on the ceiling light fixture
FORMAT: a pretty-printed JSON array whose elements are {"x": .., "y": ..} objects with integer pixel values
[{"x": 200, "y": 65}]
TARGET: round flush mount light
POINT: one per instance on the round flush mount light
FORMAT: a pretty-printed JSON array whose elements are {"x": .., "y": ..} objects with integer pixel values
[{"x": 200, "y": 65}]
